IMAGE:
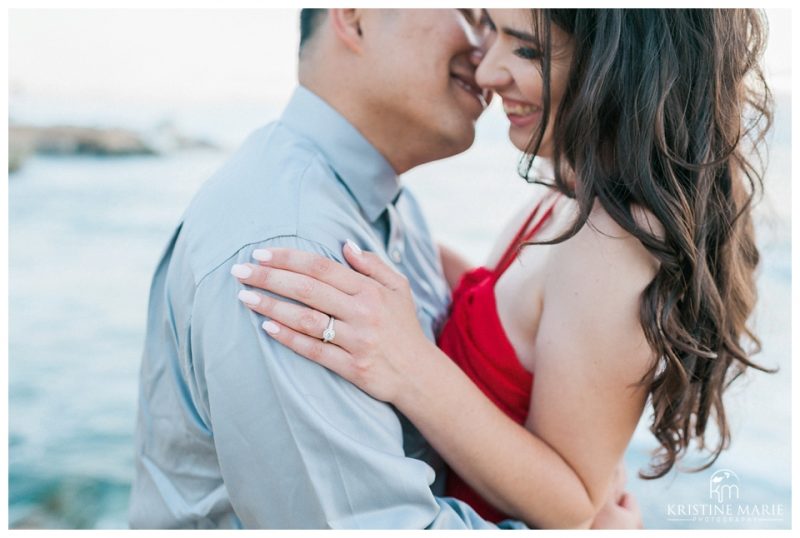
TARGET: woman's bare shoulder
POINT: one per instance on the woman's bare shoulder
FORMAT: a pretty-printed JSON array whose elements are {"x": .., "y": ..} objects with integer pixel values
[
  {"x": 593, "y": 288},
  {"x": 603, "y": 249},
  {"x": 602, "y": 271}
]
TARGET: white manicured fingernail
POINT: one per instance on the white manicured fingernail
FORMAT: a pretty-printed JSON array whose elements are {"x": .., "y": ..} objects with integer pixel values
[
  {"x": 355, "y": 248},
  {"x": 270, "y": 327},
  {"x": 262, "y": 255},
  {"x": 241, "y": 271},
  {"x": 248, "y": 297}
]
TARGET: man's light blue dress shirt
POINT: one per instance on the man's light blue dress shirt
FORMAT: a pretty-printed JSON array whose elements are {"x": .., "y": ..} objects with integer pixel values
[{"x": 235, "y": 430}]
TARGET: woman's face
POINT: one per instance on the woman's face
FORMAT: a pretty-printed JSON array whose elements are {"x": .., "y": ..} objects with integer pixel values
[{"x": 512, "y": 68}]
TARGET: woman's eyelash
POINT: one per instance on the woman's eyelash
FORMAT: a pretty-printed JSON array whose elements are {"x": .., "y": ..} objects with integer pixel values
[{"x": 528, "y": 53}]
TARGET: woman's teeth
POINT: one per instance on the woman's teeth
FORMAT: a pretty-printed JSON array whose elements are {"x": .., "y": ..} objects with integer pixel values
[{"x": 519, "y": 110}]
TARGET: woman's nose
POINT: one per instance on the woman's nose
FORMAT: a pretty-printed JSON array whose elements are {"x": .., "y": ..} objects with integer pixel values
[{"x": 490, "y": 73}]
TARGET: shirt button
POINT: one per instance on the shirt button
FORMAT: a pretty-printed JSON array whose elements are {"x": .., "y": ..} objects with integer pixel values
[{"x": 396, "y": 256}]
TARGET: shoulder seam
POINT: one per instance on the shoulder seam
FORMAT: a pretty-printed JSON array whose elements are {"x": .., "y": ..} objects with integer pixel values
[
  {"x": 323, "y": 247},
  {"x": 287, "y": 233}
]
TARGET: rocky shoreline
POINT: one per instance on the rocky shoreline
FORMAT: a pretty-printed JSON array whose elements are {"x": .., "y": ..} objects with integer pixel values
[{"x": 25, "y": 140}]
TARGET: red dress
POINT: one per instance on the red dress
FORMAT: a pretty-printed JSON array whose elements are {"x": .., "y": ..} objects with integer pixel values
[{"x": 475, "y": 339}]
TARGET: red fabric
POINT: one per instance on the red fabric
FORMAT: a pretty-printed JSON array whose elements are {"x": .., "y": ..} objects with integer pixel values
[{"x": 475, "y": 339}]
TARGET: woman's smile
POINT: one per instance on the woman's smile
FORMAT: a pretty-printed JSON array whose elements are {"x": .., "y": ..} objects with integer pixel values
[{"x": 521, "y": 114}]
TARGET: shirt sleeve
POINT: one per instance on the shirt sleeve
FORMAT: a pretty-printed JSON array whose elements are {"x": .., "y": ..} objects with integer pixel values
[{"x": 299, "y": 446}]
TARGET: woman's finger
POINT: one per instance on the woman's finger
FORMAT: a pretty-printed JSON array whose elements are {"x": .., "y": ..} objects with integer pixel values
[
  {"x": 313, "y": 265},
  {"x": 304, "y": 289},
  {"x": 372, "y": 266},
  {"x": 297, "y": 317},
  {"x": 328, "y": 355}
]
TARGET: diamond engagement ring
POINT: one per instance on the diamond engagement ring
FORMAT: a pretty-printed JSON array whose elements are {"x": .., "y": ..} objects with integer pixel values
[{"x": 329, "y": 334}]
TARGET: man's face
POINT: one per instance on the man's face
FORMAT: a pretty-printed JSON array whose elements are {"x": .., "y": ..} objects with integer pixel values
[{"x": 422, "y": 78}]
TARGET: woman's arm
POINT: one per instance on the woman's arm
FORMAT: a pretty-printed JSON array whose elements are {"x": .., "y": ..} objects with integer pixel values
[
  {"x": 453, "y": 264},
  {"x": 512, "y": 469}
]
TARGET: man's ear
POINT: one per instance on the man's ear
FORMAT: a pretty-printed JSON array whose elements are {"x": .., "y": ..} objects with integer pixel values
[{"x": 346, "y": 24}]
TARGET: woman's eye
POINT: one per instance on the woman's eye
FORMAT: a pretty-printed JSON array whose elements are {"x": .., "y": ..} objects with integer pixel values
[{"x": 528, "y": 53}]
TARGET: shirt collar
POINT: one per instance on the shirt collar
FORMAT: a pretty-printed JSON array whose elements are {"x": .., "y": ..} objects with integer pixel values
[{"x": 365, "y": 172}]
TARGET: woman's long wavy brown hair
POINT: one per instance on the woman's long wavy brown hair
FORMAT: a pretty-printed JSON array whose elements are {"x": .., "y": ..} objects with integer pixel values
[{"x": 668, "y": 109}]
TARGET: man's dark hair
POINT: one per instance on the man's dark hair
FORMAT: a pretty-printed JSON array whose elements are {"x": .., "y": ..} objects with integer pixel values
[{"x": 309, "y": 21}]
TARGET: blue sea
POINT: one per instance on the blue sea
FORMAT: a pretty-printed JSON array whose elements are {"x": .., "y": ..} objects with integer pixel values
[{"x": 85, "y": 234}]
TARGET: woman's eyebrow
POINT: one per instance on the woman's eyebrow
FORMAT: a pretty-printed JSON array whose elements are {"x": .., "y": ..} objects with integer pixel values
[{"x": 519, "y": 35}]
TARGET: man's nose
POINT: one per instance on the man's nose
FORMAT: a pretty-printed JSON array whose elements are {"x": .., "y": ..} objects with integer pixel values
[
  {"x": 476, "y": 59},
  {"x": 476, "y": 56}
]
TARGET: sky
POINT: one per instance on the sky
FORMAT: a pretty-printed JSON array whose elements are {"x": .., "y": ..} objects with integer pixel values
[
  {"x": 193, "y": 56},
  {"x": 197, "y": 56}
]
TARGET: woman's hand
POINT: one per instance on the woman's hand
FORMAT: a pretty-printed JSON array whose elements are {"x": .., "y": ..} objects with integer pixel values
[
  {"x": 623, "y": 514},
  {"x": 621, "y": 510},
  {"x": 378, "y": 336}
]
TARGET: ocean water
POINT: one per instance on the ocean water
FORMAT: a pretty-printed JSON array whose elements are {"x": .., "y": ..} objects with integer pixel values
[{"x": 85, "y": 235}]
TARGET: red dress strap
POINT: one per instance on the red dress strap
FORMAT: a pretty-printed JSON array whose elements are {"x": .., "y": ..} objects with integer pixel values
[{"x": 521, "y": 237}]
